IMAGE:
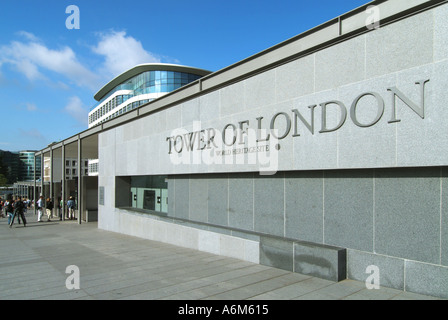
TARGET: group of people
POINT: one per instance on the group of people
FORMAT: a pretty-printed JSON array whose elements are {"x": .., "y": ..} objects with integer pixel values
[
  {"x": 48, "y": 206},
  {"x": 12, "y": 208},
  {"x": 18, "y": 207}
]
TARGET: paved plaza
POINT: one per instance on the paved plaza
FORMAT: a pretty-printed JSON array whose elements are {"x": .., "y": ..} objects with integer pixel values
[{"x": 37, "y": 262}]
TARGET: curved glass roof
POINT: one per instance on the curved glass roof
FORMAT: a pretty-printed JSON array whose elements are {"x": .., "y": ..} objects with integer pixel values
[{"x": 121, "y": 81}]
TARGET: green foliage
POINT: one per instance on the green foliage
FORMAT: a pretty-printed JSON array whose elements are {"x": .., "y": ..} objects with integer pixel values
[
  {"x": 3, "y": 180},
  {"x": 3, "y": 173}
]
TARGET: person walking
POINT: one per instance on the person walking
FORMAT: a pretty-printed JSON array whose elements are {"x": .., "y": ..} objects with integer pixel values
[
  {"x": 9, "y": 209},
  {"x": 19, "y": 209},
  {"x": 60, "y": 208},
  {"x": 1, "y": 208},
  {"x": 40, "y": 205},
  {"x": 49, "y": 207},
  {"x": 71, "y": 208}
]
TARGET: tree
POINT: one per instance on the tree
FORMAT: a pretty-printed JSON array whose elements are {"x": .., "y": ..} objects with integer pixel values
[
  {"x": 3, "y": 173},
  {"x": 3, "y": 181}
]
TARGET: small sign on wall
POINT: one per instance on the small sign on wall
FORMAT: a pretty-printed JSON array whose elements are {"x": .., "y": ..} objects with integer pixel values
[{"x": 101, "y": 196}]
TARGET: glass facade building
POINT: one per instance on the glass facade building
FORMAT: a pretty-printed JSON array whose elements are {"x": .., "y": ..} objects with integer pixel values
[
  {"x": 26, "y": 169},
  {"x": 139, "y": 86},
  {"x": 19, "y": 166}
]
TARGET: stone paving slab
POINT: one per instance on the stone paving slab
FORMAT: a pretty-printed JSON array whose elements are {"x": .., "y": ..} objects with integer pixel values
[{"x": 33, "y": 262}]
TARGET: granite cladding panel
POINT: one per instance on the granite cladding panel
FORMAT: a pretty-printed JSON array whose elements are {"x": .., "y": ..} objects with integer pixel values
[
  {"x": 390, "y": 269},
  {"x": 171, "y": 196},
  {"x": 241, "y": 194},
  {"x": 260, "y": 90},
  {"x": 444, "y": 218},
  {"x": 426, "y": 279},
  {"x": 440, "y": 33},
  {"x": 304, "y": 205},
  {"x": 198, "y": 199},
  {"x": 348, "y": 217},
  {"x": 340, "y": 64},
  {"x": 269, "y": 204},
  {"x": 231, "y": 99},
  {"x": 376, "y": 144},
  {"x": 209, "y": 106},
  {"x": 400, "y": 46},
  {"x": 190, "y": 112},
  {"x": 295, "y": 79},
  {"x": 407, "y": 213},
  {"x": 182, "y": 197},
  {"x": 395, "y": 212},
  {"x": 418, "y": 139},
  {"x": 218, "y": 195}
]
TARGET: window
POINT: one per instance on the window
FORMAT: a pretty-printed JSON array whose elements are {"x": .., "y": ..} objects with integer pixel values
[
  {"x": 142, "y": 193},
  {"x": 158, "y": 81}
]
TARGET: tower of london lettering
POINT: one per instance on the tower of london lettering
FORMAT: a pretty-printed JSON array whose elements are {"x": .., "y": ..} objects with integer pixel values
[{"x": 291, "y": 122}]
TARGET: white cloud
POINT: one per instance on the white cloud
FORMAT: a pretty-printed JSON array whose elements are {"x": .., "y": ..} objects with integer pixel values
[
  {"x": 4, "y": 143},
  {"x": 32, "y": 57},
  {"x": 122, "y": 52},
  {"x": 31, "y": 133},
  {"x": 28, "y": 36},
  {"x": 31, "y": 107},
  {"x": 77, "y": 111},
  {"x": 29, "y": 137}
]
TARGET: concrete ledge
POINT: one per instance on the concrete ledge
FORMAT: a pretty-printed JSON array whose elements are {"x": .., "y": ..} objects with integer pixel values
[
  {"x": 322, "y": 261},
  {"x": 182, "y": 235},
  {"x": 326, "y": 262},
  {"x": 277, "y": 253}
]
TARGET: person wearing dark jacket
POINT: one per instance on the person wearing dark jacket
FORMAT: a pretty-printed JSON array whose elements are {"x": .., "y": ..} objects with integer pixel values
[
  {"x": 49, "y": 207},
  {"x": 9, "y": 209},
  {"x": 19, "y": 208}
]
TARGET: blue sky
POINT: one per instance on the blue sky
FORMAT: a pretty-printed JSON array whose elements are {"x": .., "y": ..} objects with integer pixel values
[{"x": 49, "y": 73}]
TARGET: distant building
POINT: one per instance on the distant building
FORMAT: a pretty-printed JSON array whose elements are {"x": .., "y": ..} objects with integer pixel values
[
  {"x": 138, "y": 86},
  {"x": 71, "y": 168},
  {"x": 9, "y": 162},
  {"x": 19, "y": 166},
  {"x": 26, "y": 166}
]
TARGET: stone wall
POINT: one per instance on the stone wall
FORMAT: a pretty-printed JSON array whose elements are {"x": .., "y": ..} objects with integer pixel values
[{"x": 356, "y": 161}]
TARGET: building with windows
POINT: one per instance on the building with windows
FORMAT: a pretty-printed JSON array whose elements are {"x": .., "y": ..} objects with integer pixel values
[
  {"x": 26, "y": 167},
  {"x": 19, "y": 166},
  {"x": 29, "y": 168},
  {"x": 138, "y": 86},
  {"x": 71, "y": 168},
  {"x": 323, "y": 155},
  {"x": 10, "y": 166}
]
